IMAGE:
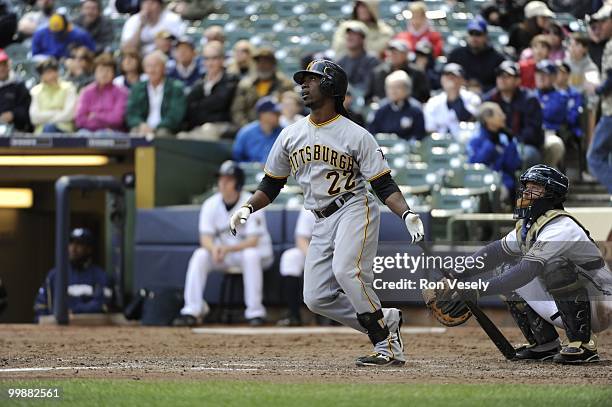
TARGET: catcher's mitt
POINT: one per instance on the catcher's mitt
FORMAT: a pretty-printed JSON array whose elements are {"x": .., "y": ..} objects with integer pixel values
[{"x": 446, "y": 306}]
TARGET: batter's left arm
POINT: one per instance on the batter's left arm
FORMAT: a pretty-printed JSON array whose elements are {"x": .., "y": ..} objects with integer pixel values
[{"x": 388, "y": 192}]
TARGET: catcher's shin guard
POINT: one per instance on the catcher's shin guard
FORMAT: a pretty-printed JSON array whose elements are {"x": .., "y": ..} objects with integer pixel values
[
  {"x": 536, "y": 329},
  {"x": 575, "y": 314},
  {"x": 374, "y": 324}
]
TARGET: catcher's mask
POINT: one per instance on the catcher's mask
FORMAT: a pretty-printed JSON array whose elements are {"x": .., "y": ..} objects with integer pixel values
[{"x": 532, "y": 201}]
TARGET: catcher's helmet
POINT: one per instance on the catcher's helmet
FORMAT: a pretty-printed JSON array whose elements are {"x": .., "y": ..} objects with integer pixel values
[
  {"x": 334, "y": 81},
  {"x": 231, "y": 168},
  {"x": 555, "y": 185}
]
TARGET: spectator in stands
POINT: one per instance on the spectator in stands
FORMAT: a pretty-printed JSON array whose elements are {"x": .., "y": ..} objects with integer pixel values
[
  {"x": 186, "y": 67},
  {"x": 583, "y": 69},
  {"x": 291, "y": 108},
  {"x": 214, "y": 33},
  {"x": 101, "y": 105},
  {"x": 522, "y": 110},
  {"x": 419, "y": 30},
  {"x": 8, "y": 23},
  {"x": 265, "y": 81},
  {"x": 353, "y": 114},
  {"x": 131, "y": 69},
  {"x": 98, "y": 26},
  {"x": 491, "y": 13},
  {"x": 164, "y": 41},
  {"x": 541, "y": 49},
  {"x": 576, "y": 103},
  {"x": 209, "y": 102},
  {"x": 254, "y": 141},
  {"x": 156, "y": 106},
  {"x": 59, "y": 37},
  {"x": 557, "y": 113},
  {"x": 478, "y": 58},
  {"x": 396, "y": 114},
  {"x": 397, "y": 59},
  {"x": 599, "y": 156},
  {"x": 379, "y": 33},
  {"x": 556, "y": 38},
  {"x": 80, "y": 67},
  {"x": 242, "y": 63},
  {"x": 140, "y": 29},
  {"x": 455, "y": 104},
  {"x": 424, "y": 62},
  {"x": 14, "y": 97},
  {"x": 53, "y": 100},
  {"x": 494, "y": 146},
  {"x": 358, "y": 63},
  {"x": 35, "y": 19},
  {"x": 600, "y": 31},
  {"x": 537, "y": 20},
  {"x": 250, "y": 250},
  {"x": 89, "y": 287}
]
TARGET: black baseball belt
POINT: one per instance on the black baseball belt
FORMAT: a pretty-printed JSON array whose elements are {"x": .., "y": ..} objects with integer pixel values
[{"x": 334, "y": 206}]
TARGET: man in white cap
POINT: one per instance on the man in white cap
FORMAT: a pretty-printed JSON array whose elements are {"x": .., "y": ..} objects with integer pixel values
[{"x": 538, "y": 18}]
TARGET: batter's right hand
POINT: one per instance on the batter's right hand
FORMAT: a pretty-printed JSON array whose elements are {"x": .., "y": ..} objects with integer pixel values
[{"x": 239, "y": 218}]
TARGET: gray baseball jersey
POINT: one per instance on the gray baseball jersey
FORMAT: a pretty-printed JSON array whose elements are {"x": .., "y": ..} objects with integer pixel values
[{"x": 326, "y": 159}]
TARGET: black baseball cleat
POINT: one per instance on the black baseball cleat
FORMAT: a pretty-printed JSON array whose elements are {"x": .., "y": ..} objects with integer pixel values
[
  {"x": 185, "y": 320},
  {"x": 576, "y": 353},
  {"x": 527, "y": 352},
  {"x": 378, "y": 359}
]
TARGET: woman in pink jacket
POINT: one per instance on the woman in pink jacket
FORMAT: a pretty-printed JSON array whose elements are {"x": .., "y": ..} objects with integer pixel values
[{"x": 102, "y": 104}]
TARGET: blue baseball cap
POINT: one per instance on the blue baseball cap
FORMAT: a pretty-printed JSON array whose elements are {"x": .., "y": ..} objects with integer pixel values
[
  {"x": 547, "y": 67},
  {"x": 267, "y": 104},
  {"x": 477, "y": 24}
]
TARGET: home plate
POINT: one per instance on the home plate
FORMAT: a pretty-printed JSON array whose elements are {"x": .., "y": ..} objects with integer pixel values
[{"x": 305, "y": 330}]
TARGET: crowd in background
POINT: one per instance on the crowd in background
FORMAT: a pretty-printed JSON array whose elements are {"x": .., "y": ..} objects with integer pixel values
[{"x": 548, "y": 91}]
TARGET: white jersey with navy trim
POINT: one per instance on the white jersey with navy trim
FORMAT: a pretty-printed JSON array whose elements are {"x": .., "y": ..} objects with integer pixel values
[{"x": 326, "y": 159}]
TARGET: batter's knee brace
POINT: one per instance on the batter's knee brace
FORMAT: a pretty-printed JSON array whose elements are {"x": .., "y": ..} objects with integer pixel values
[
  {"x": 374, "y": 324},
  {"x": 292, "y": 262}
]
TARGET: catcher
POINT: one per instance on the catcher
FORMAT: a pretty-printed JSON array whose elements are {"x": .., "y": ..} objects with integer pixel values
[{"x": 559, "y": 277}]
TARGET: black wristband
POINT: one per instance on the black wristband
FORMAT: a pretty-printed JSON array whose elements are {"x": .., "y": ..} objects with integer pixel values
[
  {"x": 249, "y": 206},
  {"x": 406, "y": 213}
]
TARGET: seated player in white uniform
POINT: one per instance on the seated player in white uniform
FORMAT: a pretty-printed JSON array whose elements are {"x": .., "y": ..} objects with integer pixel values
[
  {"x": 220, "y": 250},
  {"x": 559, "y": 277},
  {"x": 292, "y": 266}
]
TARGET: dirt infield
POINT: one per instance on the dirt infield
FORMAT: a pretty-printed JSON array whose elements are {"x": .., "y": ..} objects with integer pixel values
[{"x": 459, "y": 355}]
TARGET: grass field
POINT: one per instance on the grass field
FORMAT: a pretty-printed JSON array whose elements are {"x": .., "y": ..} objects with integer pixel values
[{"x": 92, "y": 392}]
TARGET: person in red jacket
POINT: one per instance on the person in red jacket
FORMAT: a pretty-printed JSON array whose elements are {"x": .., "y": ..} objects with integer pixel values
[
  {"x": 419, "y": 30},
  {"x": 541, "y": 49}
]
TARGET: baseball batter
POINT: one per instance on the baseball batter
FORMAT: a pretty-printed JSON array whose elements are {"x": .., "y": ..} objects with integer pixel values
[
  {"x": 560, "y": 279},
  {"x": 332, "y": 158}
]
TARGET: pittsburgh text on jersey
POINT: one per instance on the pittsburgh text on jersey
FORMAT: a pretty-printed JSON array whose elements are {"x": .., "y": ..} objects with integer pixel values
[{"x": 319, "y": 152}]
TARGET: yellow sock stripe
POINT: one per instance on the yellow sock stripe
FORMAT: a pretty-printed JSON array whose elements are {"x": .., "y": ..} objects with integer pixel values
[{"x": 365, "y": 235}]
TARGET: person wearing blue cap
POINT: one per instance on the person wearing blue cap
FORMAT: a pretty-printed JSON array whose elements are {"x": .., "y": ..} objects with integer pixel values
[
  {"x": 478, "y": 58},
  {"x": 185, "y": 67},
  {"x": 89, "y": 287},
  {"x": 555, "y": 108},
  {"x": 254, "y": 141}
]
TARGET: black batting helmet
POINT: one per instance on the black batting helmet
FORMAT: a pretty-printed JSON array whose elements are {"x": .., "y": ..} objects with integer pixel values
[
  {"x": 555, "y": 184},
  {"x": 231, "y": 168},
  {"x": 334, "y": 80}
]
